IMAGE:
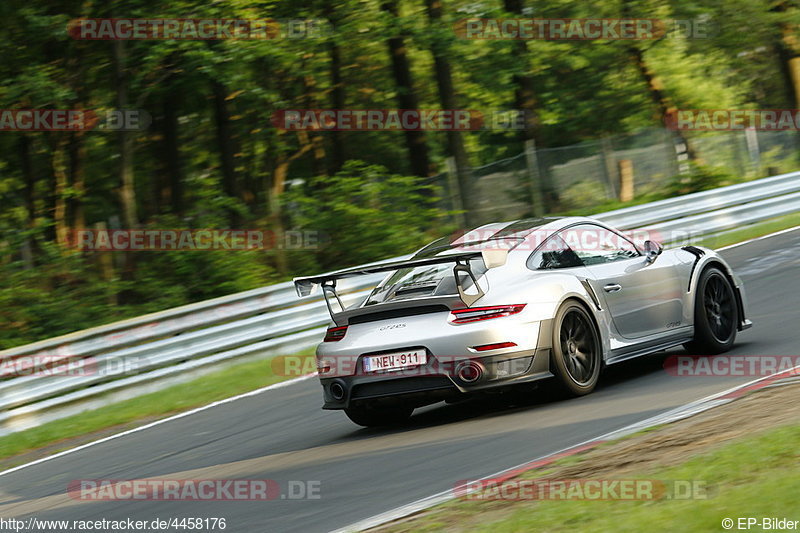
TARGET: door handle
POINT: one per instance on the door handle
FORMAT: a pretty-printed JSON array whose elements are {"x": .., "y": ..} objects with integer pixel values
[{"x": 612, "y": 287}]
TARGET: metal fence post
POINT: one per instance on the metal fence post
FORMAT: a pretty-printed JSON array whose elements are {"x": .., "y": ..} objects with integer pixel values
[
  {"x": 455, "y": 192},
  {"x": 609, "y": 165},
  {"x": 534, "y": 181}
]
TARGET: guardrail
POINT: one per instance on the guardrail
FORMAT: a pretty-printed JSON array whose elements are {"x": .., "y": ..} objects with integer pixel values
[{"x": 151, "y": 351}]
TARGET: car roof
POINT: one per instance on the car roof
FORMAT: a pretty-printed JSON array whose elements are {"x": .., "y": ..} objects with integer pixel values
[{"x": 514, "y": 230}]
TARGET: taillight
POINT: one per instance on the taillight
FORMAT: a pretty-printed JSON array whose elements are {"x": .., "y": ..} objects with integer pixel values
[
  {"x": 474, "y": 314},
  {"x": 495, "y": 346},
  {"x": 335, "y": 334}
]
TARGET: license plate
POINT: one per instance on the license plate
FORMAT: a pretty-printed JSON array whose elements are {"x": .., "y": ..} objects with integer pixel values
[{"x": 395, "y": 361}]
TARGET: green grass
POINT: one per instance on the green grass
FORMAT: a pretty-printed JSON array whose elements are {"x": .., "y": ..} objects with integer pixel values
[
  {"x": 755, "y": 476},
  {"x": 237, "y": 379},
  {"x": 755, "y": 230}
]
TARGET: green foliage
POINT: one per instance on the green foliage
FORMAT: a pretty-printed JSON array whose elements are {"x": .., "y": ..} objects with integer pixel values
[
  {"x": 582, "y": 195},
  {"x": 364, "y": 213},
  {"x": 369, "y": 209},
  {"x": 699, "y": 178}
]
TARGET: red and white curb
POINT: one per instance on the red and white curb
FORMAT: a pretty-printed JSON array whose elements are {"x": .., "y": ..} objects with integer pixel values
[{"x": 679, "y": 413}]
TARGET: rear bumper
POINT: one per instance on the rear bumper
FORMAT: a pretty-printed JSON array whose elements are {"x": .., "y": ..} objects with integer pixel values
[
  {"x": 448, "y": 347},
  {"x": 421, "y": 388},
  {"x": 440, "y": 377}
]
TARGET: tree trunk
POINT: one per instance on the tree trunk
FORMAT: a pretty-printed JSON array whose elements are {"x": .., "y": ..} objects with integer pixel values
[
  {"x": 789, "y": 53},
  {"x": 172, "y": 156},
  {"x": 77, "y": 160},
  {"x": 524, "y": 89},
  {"x": 127, "y": 191},
  {"x": 61, "y": 184},
  {"x": 656, "y": 89},
  {"x": 337, "y": 96},
  {"x": 447, "y": 97},
  {"x": 319, "y": 167},
  {"x": 226, "y": 143},
  {"x": 406, "y": 97},
  {"x": 276, "y": 188},
  {"x": 26, "y": 163},
  {"x": 28, "y": 174}
]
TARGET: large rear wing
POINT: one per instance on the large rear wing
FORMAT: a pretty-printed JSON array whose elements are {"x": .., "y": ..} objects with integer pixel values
[{"x": 491, "y": 258}]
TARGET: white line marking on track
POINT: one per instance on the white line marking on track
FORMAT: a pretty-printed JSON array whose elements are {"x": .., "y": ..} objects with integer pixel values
[{"x": 279, "y": 385}]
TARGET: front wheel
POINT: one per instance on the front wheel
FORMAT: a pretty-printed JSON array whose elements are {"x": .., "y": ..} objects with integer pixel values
[
  {"x": 716, "y": 314},
  {"x": 369, "y": 416},
  {"x": 577, "y": 352}
]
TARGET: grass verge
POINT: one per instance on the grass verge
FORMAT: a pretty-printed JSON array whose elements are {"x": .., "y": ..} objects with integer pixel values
[
  {"x": 753, "y": 231},
  {"x": 755, "y": 476},
  {"x": 237, "y": 379}
]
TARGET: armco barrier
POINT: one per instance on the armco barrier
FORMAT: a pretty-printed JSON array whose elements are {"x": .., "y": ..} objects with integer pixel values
[{"x": 138, "y": 354}]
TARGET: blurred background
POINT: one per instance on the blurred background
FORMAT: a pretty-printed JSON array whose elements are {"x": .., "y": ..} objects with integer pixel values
[{"x": 212, "y": 159}]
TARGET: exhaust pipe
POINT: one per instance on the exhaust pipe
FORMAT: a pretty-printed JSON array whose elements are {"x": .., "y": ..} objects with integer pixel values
[
  {"x": 469, "y": 372},
  {"x": 337, "y": 390}
]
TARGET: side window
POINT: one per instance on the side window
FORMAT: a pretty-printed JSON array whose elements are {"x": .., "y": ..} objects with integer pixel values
[
  {"x": 595, "y": 245},
  {"x": 553, "y": 253}
]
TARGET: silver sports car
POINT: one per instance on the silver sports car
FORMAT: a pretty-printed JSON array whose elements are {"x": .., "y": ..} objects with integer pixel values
[{"x": 512, "y": 303}]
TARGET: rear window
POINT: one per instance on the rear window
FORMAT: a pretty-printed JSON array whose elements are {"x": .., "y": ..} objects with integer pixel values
[
  {"x": 424, "y": 281},
  {"x": 435, "y": 280}
]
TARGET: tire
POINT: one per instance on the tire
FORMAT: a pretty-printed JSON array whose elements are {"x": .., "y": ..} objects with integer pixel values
[
  {"x": 368, "y": 416},
  {"x": 716, "y": 314},
  {"x": 576, "y": 357}
]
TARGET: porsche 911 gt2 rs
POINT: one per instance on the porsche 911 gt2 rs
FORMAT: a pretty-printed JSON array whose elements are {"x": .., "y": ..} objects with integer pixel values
[{"x": 516, "y": 302}]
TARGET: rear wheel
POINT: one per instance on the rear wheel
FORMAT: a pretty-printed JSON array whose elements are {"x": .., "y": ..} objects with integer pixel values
[
  {"x": 369, "y": 416},
  {"x": 716, "y": 314},
  {"x": 577, "y": 352}
]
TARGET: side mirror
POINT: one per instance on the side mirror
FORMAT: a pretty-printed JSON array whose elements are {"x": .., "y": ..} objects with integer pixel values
[{"x": 652, "y": 250}]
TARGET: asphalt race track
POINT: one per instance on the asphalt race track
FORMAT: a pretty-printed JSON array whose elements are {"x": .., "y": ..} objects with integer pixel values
[{"x": 283, "y": 435}]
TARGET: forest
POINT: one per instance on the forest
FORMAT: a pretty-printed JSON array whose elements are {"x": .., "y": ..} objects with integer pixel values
[{"x": 209, "y": 154}]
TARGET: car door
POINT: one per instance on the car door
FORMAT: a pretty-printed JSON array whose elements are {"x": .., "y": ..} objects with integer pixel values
[{"x": 643, "y": 298}]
